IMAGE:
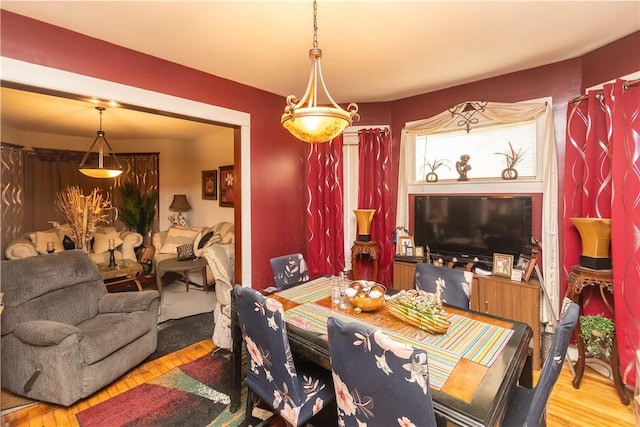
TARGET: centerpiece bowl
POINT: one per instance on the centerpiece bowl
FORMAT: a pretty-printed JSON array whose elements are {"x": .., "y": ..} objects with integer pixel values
[{"x": 366, "y": 295}]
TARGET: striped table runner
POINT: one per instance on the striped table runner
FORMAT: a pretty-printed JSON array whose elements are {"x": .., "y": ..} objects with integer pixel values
[
  {"x": 466, "y": 338},
  {"x": 314, "y": 290}
]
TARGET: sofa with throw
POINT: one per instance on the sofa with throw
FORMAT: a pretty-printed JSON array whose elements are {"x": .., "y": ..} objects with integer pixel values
[
  {"x": 63, "y": 336},
  {"x": 35, "y": 243},
  {"x": 216, "y": 244}
]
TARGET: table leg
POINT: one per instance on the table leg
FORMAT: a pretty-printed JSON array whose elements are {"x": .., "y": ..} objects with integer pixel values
[
  {"x": 354, "y": 265},
  {"x": 186, "y": 279},
  {"x": 615, "y": 370},
  {"x": 204, "y": 280}
]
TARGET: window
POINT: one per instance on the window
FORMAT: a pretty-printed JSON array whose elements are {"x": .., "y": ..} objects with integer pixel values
[{"x": 482, "y": 145}]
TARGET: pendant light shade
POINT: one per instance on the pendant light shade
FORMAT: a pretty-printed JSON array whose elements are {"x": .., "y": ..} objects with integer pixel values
[
  {"x": 305, "y": 119},
  {"x": 100, "y": 170}
]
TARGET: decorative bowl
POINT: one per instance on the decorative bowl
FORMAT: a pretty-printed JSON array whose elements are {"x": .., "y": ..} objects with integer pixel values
[{"x": 366, "y": 295}]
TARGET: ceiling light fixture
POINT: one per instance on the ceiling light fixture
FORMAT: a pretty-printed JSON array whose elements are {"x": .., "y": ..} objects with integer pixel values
[
  {"x": 305, "y": 119},
  {"x": 101, "y": 171}
]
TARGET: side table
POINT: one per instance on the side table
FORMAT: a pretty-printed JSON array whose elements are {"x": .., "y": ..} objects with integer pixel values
[
  {"x": 579, "y": 278},
  {"x": 182, "y": 267},
  {"x": 364, "y": 248},
  {"x": 125, "y": 271}
]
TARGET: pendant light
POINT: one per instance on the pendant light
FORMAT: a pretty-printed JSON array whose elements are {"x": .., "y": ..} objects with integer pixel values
[
  {"x": 100, "y": 171},
  {"x": 305, "y": 119}
]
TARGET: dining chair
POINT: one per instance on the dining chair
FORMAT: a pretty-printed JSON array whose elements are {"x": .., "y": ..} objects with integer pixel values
[
  {"x": 456, "y": 283},
  {"x": 378, "y": 381},
  {"x": 295, "y": 390},
  {"x": 527, "y": 406},
  {"x": 288, "y": 270}
]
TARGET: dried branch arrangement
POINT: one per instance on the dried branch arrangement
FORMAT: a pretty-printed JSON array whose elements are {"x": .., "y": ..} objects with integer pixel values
[{"x": 81, "y": 213}]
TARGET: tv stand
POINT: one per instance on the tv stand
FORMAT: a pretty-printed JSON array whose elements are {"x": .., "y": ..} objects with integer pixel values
[{"x": 499, "y": 296}]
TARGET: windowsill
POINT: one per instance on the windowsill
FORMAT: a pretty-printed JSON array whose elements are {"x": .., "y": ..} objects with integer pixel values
[{"x": 478, "y": 186}]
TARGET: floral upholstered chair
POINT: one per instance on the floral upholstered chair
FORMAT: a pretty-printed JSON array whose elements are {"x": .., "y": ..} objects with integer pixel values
[
  {"x": 295, "y": 390},
  {"x": 378, "y": 381},
  {"x": 288, "y": 270},
  {"x": 455, "y": 283}
]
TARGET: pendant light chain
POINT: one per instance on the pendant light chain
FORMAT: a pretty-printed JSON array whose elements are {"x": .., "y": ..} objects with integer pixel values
[{"x": 315, "y": 24}]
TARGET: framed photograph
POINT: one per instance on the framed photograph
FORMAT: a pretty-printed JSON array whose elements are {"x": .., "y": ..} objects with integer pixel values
[
  {"x": 516, "y": 275},
  {"x": 502, "y": 265},
  {"x": 226, "y": 186},
  {"x": 210, "y": 185},
  {"x": 526, "y": 275},
  {"x": 405, "y": 246},
  {"x": 419, "y": 252}
]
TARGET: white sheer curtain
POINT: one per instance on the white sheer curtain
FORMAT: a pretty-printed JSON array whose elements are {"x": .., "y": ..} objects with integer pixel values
[{"x": 499, "y": 113}]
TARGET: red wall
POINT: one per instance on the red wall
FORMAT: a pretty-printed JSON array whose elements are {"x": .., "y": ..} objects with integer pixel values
[{"x": 277, "y": 159}]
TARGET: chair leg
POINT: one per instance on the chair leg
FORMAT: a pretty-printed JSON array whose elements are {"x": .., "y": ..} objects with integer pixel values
[{"x": 251, "y": 400}]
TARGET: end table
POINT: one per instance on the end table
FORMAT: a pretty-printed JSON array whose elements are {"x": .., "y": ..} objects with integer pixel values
[{"x": 579, "y": 278}]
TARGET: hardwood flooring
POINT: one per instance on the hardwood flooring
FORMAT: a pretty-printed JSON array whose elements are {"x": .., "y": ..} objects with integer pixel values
[{"x": 596, "y": 403}]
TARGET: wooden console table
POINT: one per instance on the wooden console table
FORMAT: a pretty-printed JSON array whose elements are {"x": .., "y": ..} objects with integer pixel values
[
  {"x": 364, "y": 248},
  {"x": 579, "y": 278}
]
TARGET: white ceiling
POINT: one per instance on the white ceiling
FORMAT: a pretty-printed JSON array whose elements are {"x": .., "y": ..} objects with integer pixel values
[{"x": 372, "y": 50}]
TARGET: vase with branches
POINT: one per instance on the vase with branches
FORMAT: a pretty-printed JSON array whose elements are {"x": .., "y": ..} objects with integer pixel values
[
  {"x": 433, "y": 166},
  {"x": 512, "y": 157},
  {"x": 82, "y": 214}
]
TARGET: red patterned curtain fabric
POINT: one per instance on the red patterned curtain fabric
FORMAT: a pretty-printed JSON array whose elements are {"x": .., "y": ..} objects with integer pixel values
[
  {"x": 374, "y": 148},
  {"x": 602, "y": 179},
  {"x": 324, "y": 198}
]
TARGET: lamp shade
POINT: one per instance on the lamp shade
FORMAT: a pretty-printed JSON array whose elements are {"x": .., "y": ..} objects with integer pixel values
[{"x": 180, "y": 203}]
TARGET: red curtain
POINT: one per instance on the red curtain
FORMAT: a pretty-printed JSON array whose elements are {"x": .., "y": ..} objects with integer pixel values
[
  {"x": 324, "y": 199},
  {"x": 374, "y": 148},
  {"x": 602, "y": 180}
]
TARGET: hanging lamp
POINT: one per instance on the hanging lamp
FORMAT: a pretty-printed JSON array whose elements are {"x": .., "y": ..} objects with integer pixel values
[
  {"x": 101, "y": 171},
  {"x": 305, "y": 119}
]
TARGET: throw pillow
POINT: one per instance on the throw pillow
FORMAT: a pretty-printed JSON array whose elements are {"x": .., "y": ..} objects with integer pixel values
[
  {"x": 185, "y": 252},
  {"x": 44, "y": 237},
  {"x": 177, "y": 236},
  {"x": 101, "y": 241},
  {"x": 207, "y": 238},
  {"x": 68, "y": 243}
]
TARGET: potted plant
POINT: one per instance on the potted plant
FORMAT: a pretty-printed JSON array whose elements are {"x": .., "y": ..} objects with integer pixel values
[
  {"x": 597, "y": 334},
  {"x": 433, "y": 166},
  {"x": 138, "y": 210},
  {"x": 512, "y": 158}
]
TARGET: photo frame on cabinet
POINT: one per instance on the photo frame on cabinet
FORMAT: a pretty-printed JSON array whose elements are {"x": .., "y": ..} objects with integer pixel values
[
  {"x": 529, "y": 271},
  {"x": 405, "y": 246},
  {"x": 502, "y": 265},
  {"x": 210, "y": 185},
  {"x": 226, "y": 186}
]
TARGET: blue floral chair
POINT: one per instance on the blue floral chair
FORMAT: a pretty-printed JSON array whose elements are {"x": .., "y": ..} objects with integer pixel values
[
  {"x": 289, "y": 270},
  {"x": 378, "y": 381},
  {"x": 527, "y": 407},
  {"x": 456, "y": 283},
  {"x": 295, "y": 390}
]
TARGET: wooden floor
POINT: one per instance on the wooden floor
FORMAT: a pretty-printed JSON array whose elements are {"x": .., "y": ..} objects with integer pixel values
[{"x": 594, "y": 404}]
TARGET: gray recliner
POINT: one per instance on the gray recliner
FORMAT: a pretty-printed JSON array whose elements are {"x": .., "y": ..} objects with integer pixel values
[{"x": 63, "y": 336}]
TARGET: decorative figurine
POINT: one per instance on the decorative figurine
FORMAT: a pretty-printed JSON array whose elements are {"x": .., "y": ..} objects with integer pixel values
[{"x": 463, "y": 167}]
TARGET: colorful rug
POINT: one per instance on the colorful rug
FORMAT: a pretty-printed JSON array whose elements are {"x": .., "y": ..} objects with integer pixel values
[{"x": 194, "y": 394}]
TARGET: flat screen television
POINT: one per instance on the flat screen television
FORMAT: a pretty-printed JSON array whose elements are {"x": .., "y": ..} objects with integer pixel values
[{"x": 467, "y": 227}]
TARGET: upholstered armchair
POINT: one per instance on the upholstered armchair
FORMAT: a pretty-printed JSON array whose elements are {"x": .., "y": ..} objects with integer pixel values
[
  {"x": 295, "y": 390},
  {"x": 289, "y": 270},
  {"x": 378, "y": 381},
  {"x": 35, "y": 243},
  {"x": 455, "y": 283},
  {"x": 63, "y": 336}
]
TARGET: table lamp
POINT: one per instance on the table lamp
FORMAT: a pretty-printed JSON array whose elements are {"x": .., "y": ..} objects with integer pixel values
[{"x": 180, "y": 204}]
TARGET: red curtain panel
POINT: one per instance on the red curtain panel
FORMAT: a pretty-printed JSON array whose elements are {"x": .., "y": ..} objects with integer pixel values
[
  {"x": 374, "y": 178},
  {"x": 324, "y": 207},
  {"x": 602, "y": 180}
]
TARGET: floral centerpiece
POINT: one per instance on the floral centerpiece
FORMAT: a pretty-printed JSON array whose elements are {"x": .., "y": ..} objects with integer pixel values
[{"x": 81, "y": 213}]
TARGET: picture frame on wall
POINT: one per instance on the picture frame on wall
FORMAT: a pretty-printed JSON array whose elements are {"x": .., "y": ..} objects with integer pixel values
[
  {"x": 502, "y": 265},
  {"x": 405, "y": 246},
  {"x": 210, "y": 185},
  {"x": 226, "y": 186}
]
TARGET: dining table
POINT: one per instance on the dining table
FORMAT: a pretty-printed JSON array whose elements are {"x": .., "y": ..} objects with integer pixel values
[{"x": 474, "y": 367}]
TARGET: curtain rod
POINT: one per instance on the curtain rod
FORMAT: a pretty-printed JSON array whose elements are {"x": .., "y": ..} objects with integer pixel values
[{"x": 626, "y": 85}]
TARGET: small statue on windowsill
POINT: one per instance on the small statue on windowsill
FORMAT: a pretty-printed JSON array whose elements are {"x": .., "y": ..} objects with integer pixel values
[{"x": 463, "y": 167}]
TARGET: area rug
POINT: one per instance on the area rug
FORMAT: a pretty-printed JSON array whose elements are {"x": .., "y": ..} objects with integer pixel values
[
  {"x": 178, "y": 303},
  {"x": 194, "y": 394},
  {"x": 177, "y": 334}
]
